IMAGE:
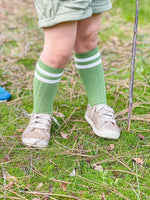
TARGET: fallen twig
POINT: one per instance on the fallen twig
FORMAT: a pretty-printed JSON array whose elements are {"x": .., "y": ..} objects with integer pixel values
[{"x": 132, "y": 64}]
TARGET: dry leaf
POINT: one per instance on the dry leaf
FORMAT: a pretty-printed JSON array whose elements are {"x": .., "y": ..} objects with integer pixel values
[
  {"x": 10, "y": 185},
  {"x": 46, "y": 198},
  {"x": 138, "y": 161},
  {"x": 39, "y": 186},
  {"x": 103, "y": 196},
  {"x": 72, "y": 80},
  {"x": 28, "y": 185},
  {"x": 18, "y": 136},
  {"x": 73, "y": 173},
  {"x": 20, "y": 130},
  {"x": 58, "y": 114},
  {"x": 9, "y": 177},
  {"x": 81, "y": 192},
  {"x": 111, "y": 147},
  {"x": 50, "y": 192},
  {"x": 63, "y": 185},
  {"x": 97, "y": 167},
  {"x": 64, "y": 135},
  {"x": 108, "y": 87},
  {"x": 116, "y": 40},
  {"x": 6, "y": 158},
  {"x": 141, "y": 137}
]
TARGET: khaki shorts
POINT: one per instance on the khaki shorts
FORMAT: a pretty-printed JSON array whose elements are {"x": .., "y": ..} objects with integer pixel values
[{"x": 52, "y": 12}]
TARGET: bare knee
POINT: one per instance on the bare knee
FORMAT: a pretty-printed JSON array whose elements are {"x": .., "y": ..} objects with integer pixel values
[
  {"x": 87, "y": 32},
  {"x": 58, "y": 44},
  {"x": 57, "y": 58},
  {"x": 86, "y": 42}
]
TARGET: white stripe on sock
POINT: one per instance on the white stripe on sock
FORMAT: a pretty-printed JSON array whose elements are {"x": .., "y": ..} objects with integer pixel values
[
  {"x": 89, "y": 65},
  {"x": 47, "y": 73},
  {"x": 45, "y": 80},
  {"x": 87, "y": 59}
]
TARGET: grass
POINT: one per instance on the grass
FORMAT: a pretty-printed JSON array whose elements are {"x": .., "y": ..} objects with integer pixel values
[{"x": 45, "y": 174}]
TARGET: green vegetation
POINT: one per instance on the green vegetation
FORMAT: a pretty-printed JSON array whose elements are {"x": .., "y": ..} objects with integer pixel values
[
  {"x": 27, "y": 173},
  {"x": 128, "y": 10}
]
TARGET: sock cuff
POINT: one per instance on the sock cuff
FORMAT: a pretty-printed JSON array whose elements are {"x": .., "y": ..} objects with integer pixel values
[
  {"x": 88, "y": 60},
  {"x": 87, "y": 54},
  {"x": 47, "y": 74},
  {"x": 49, "y": 69}
]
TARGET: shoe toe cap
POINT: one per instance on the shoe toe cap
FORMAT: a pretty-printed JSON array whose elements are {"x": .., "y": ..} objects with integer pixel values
[
  {"x": 108, "y": 133},
  {"x": 33, "y": 142},
  {"x": 111, "y": 134}
]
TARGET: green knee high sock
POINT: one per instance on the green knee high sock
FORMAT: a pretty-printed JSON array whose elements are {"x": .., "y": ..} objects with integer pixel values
[
  {"x": 46, "y": 82},
  {"x": 90, "y": 68}
]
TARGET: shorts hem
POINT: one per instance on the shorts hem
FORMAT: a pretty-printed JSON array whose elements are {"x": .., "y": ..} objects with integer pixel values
[
  {"x": 64, "y": 18},
  {"x": 100, "y": 9},
  {"x": 67, "y": 17}
]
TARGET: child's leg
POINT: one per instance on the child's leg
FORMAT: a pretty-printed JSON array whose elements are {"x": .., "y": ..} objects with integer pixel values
[
  {"x": 89, "y": 65},
  {"x": 58, "y": 46},
  {"x": 88, "y": 60}
]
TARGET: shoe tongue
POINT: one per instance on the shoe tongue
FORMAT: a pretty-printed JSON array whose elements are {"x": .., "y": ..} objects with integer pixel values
[
  {"x": 41, "y": 116},
  {"x": 98, "y": 107}
]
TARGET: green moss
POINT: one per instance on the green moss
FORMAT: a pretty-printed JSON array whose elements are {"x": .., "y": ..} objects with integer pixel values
[
  {"x": 28, "y": 63},
  {"x": 11, "y": 43},
  {"x": 55, "y": 163}
]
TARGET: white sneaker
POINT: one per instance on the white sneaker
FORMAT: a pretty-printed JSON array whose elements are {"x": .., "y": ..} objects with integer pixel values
[
  {"x": 102, "y": 120},
  {"x": 37, "y": 133}
]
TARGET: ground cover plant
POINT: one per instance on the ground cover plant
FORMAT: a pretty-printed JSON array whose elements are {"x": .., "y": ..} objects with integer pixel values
[{"x": 77, "y": 164}]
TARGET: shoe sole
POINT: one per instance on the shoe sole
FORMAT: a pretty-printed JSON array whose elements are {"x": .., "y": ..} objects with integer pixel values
[
  {"x": 35, "y": 142},
  {"x": 100, "y": 134},
  {"x": 3, "y": 101}
]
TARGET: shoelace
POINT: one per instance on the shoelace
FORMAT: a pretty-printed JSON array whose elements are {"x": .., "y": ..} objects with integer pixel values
[
  {"x": 41, "y": 121},
  {"x": 106, "y": 113}
]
